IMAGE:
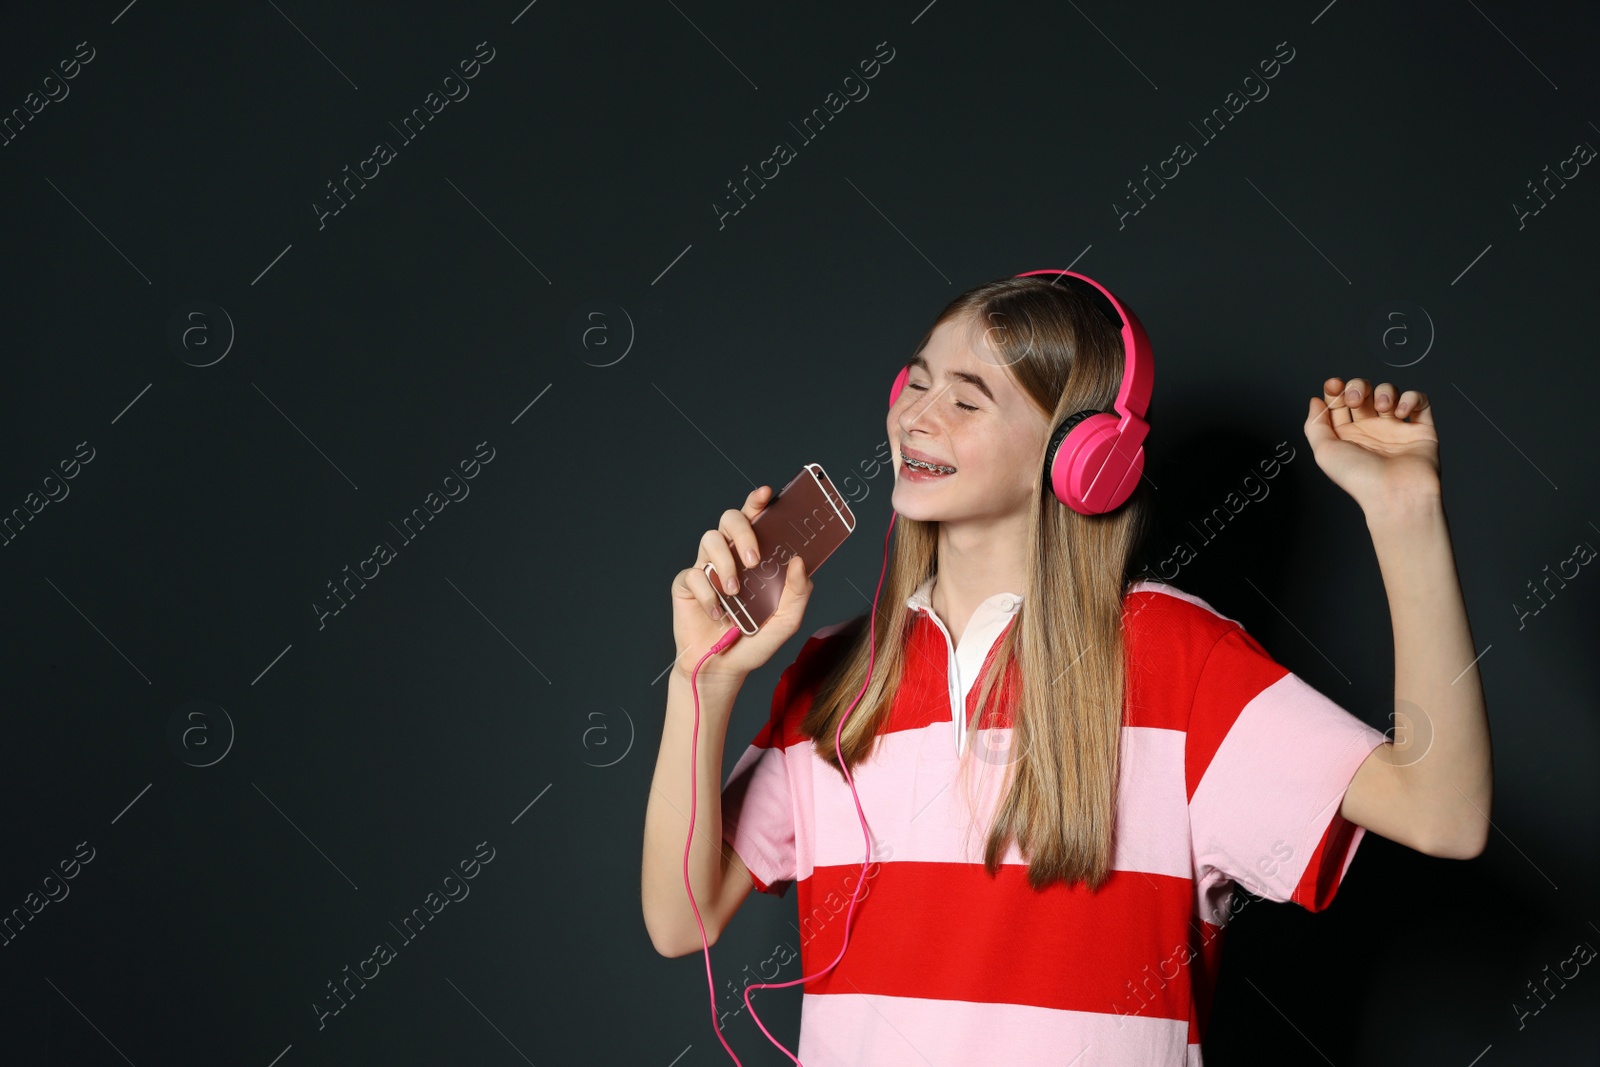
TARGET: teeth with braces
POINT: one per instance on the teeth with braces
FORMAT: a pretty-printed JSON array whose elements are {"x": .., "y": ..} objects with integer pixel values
[{"x": 938, "y": 467}]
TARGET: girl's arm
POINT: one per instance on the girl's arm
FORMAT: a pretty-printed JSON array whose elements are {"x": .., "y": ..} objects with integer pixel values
[
  {"x": 1431, "y": 788},
  {"x": 719, "y": 877}
]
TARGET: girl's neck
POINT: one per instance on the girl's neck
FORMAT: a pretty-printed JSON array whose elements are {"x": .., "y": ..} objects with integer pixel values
[{"x": 975, "y": 563}]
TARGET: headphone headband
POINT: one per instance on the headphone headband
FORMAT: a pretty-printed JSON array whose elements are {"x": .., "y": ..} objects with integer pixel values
[{"x": 1138, "y": 372}]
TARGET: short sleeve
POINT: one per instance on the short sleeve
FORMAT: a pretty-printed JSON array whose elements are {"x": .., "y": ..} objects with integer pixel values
[
  {"x": 1268, "y": 759},
  {"x": 757, "y": 803}
]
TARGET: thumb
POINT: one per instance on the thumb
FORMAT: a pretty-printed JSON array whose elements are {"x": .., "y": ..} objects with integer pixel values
[
  {"x": 796, "y": 582},
  {"x": 1319, "y": 423}
]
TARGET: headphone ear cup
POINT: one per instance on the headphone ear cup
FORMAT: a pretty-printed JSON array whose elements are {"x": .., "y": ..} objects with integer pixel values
[
  {"x": 1056, "y": 439},
  {"x": 1085, "y": 470},
  {"x": 899, "y": 384}
]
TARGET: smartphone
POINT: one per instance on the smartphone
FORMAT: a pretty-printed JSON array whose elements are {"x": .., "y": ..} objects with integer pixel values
[{"x": 808, "y": 518}]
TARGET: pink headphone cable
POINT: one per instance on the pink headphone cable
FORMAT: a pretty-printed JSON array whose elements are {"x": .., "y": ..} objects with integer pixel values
[{"x": 722, "y": 644}]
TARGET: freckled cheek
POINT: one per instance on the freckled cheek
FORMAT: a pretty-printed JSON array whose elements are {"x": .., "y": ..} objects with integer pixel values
[
  {"x": 994, "y": 456},
  {"x": 1020, "y": 467}
]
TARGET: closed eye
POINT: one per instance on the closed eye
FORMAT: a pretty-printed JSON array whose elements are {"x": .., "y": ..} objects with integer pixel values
[{"x": 923, "y": 388}]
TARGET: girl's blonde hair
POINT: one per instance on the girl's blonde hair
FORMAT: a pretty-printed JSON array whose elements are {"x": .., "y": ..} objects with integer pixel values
[{"x": 1062, "y": 661}]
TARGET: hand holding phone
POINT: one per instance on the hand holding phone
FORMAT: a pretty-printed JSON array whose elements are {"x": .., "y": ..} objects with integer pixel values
[{"x": 790, "y": 537}]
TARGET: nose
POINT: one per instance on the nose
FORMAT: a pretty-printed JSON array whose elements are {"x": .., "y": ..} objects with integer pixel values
[{"x": 916, "y": 409}]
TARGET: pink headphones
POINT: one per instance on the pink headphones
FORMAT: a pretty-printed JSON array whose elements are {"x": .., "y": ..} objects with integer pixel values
[
  {"x": 1093, "y": 464},
  {"x": 1095, "y": 458}
]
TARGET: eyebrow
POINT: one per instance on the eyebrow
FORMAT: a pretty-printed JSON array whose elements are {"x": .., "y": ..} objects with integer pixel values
[{"x": 919, "y": 360}]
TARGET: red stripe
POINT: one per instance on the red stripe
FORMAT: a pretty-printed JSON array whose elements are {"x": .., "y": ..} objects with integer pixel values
[
  {"x": 946, "y": 931},
  {"x": 1167, "y": 641},
  {"x": 1320, "y": 882}
]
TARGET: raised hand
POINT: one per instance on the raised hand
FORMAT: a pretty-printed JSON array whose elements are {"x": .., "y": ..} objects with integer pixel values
[{"x": 1378, "y": 445}]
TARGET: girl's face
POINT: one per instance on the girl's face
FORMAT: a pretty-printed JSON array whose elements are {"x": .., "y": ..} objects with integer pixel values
[{"x": 961, "y": 408}]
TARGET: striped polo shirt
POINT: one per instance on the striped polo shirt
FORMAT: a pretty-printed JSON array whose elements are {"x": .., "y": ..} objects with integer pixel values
[{"x": 1232, "y": 770}]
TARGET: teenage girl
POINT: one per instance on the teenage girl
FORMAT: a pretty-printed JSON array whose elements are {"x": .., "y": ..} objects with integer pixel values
[{"x": 1156, "y": 754}]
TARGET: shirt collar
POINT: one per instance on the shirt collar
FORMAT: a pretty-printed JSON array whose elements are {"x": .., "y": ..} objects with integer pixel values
[{"x": 1001, "y": 603}]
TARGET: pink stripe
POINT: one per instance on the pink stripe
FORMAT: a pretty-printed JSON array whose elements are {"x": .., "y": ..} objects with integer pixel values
[
  {"x": 1274, "y": 785},
  {"x": 763, "y": 834},
  {"x": 850, "y": 1029},
  {"x": 917, "y": 810}
]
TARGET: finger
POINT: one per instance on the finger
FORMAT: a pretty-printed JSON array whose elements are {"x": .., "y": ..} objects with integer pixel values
[
  {"x": 716, "y": 550},
  {"x": 737, "y": 529},
  {"x": 680, "y": 584},
  {"x": 700, "y": 586},
  {"x": 1358, "y": 398},
  {"x": 757, "y": 501},
  {"x": 1384, "y": 398},
  {"x": 685, "y": 587},
  {"x": 1407, "y": 403},
  {"x": 1333, "y": 396},
  {"x": 1422, "y": 410}
]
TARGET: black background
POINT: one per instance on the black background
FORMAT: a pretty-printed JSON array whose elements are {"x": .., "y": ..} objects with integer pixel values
[{"x": 542, "y": 269}]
